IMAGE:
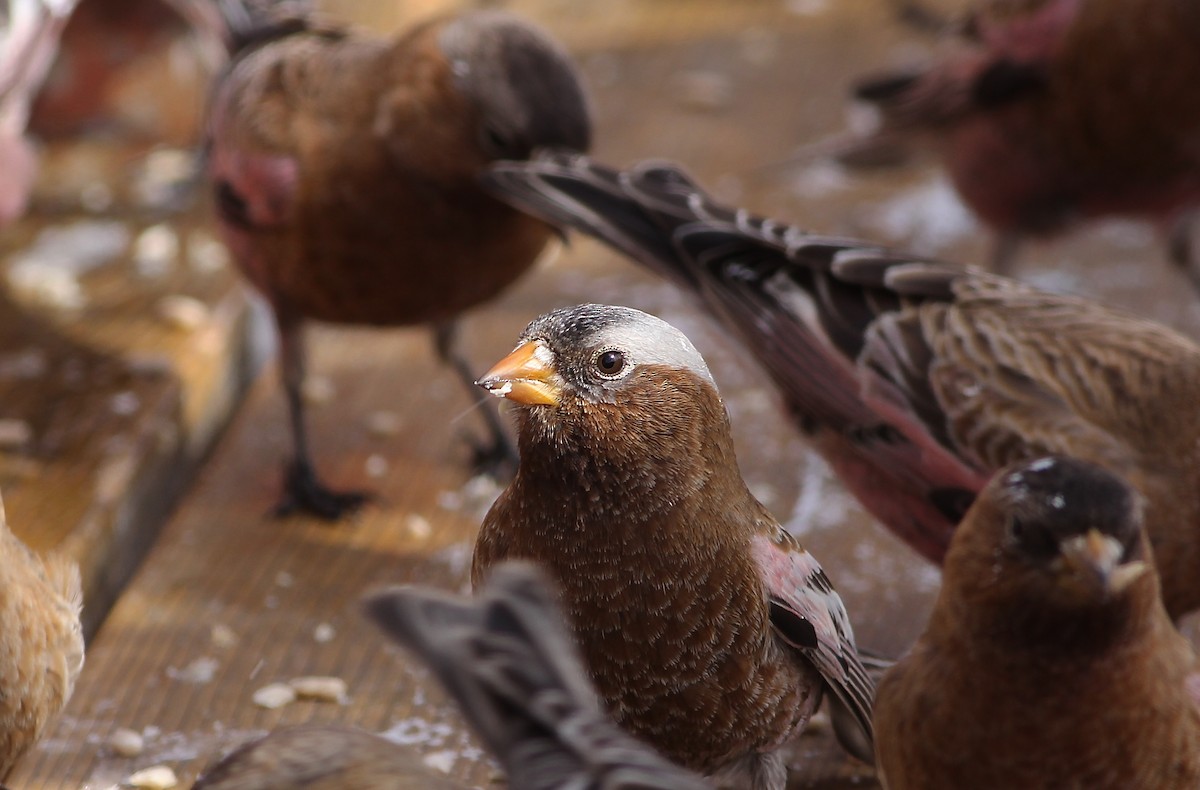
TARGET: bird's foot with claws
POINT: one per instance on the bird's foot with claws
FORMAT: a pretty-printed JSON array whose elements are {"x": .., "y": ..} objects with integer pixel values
[{"x": 304, "y": 493}]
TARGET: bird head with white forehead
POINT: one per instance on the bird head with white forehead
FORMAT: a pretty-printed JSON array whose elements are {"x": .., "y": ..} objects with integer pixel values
[
  {"x": 1056, "y": 538},
  {"x": 618, "y": 393}
]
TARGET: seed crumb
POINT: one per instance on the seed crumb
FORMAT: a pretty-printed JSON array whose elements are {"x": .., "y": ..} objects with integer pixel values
[{"x": 276, "y": 695}]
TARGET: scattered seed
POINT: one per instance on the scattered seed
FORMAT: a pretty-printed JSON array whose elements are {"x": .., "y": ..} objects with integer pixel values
[
  {"x": 183, "y": 312},
  {"x": 158, "y": 777},
  {"x": 125, "y": 403},
  {"x": 125, "y": 742},
  {"x": 14, "y": 434},
  {"x": 376, "y": 465},
  {"x": 383, "y": 423},
  {"x": 704, "y": 91},
  {"x": 441, "y": 761},
  {"x": 323, "y": 633},
  {"x": 223, "y": 636},
  {"x": 156, "y": 250},
  {"x": 51, "y": 287},
  {"x": 318, "y": 390},
  {"x": 320, "y": 689},
  {"x": 199, "y": 671},
  {"x": 418, "y": 526},
  {"x": 205, "y": 254},
  {"x": 274, "y": 696}
]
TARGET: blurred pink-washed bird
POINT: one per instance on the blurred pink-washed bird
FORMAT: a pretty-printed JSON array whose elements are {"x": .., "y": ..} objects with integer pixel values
[
  {"x": 915, "y": 379},
  {"x": 29, "y": 39},
  {"x": 709, "y": 631},
  {"x": 345, "y": 167},
  {"x": 1048, "y": 661},
  {"x": 1049, "y": 113}
]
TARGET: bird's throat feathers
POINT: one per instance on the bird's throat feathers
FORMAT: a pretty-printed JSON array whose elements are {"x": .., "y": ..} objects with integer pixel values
[{"x": 627, "y": 464}]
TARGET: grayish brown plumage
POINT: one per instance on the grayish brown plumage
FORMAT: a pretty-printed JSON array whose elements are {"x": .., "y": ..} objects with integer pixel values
[
  {"x": 709, "y": 631},
  {"x": 1048, "y": 661}
]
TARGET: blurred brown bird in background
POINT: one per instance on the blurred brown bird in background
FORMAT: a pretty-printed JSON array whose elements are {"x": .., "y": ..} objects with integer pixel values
[
  {"x": 41, "y": 650},
  {"x": 507, "y": 660},
  {"x": 916, "y": 380},
  {"x": 1051, "y": 112},
  {"x": 345, "y": 169},
  {"x": 29, "y": 39},
  {"x": 1048, "y": 661},
  {"x": 709, "y": 632}
]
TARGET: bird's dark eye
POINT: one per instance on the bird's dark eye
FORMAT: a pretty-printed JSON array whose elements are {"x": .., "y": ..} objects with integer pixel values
[{"x": 610, "y": 363}]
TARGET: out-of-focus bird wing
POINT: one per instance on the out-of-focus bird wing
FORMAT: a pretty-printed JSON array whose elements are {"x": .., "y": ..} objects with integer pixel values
[
  {"x": 808, "y": 614},
  {"x": 322, "y": 757},
  {"x": 509, "y": 662},
  {"x": 225, "y": 27}
]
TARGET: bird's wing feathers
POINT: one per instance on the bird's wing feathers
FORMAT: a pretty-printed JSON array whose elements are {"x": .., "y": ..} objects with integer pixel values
[
  {"x": 929, "y": 375},
  {"x": 518, "y": 677},
  {"x": 802, "y": 303},
  {"x": 1019, "y": 373},
  {"x": 809, "y": 615}
]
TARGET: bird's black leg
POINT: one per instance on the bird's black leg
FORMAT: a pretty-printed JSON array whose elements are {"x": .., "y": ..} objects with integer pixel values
[
  {"x": 497, "y": 457},
  {"x": 302, "y": 490}
]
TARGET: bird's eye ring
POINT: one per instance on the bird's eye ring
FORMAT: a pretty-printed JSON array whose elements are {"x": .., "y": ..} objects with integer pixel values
[{"x": 610, "y": 363}]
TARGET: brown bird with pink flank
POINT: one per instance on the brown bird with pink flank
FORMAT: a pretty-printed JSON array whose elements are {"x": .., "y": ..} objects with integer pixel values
[
  {"x": 709, "y": 631},
  {"x": 345, "y": 169}
]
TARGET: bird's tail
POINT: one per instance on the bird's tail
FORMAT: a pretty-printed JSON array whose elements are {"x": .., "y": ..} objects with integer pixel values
[
  {"x": 571, "y": 190},
  {"x": 508, "y": 661}
]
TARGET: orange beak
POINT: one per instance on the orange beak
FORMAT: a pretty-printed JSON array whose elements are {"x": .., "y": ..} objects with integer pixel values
[
  {"x": 1097, "y": 558},
  {"x": 525, "y": 376}
]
